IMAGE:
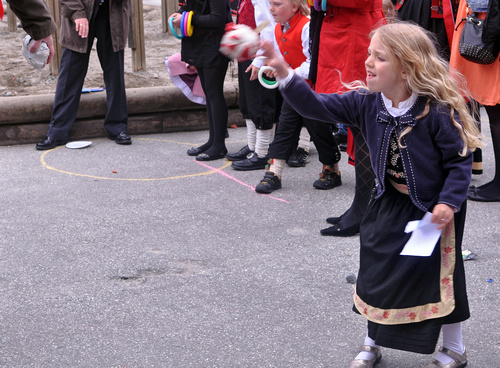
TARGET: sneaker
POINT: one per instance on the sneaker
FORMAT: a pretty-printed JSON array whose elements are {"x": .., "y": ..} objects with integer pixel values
[
  {"x": 270, "y": 183},
  {"x": 240, "y": 155},
  {"x": 328, "y": 179},
  {"x": 299, "y": 158},
  {"x": 253, "y": 163}
]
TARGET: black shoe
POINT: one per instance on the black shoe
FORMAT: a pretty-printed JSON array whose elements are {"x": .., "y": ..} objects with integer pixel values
[
  {"x": 340, "y": 230},
  {"x": 49, "y": 143},
  {"x": 121, "y": 138},
  {"x": 252, "y": 163},
  {"x": 270, "y": 183},
  {"x": 195, "y": 151},
  {"x": 328, "y": 179},
  {"x": 475, "y": 195},
  {"x": 334, "y": 220},
  {"x": 240, "y": 155},
  {"x": 206, "y": 157},
  {"x": 299, "y": 158}
]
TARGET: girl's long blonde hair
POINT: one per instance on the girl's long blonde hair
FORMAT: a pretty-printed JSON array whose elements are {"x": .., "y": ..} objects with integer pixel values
[{"x": 430, "y": 76}]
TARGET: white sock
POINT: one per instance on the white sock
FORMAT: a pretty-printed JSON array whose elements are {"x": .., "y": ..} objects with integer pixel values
[
  {"x": 452, "y": 339},
  {"x": 262, "y": 142},
  {"x": 251, "y": 134},
  {"x": 277, "y": 166},
  {"x": 304, "y": 139},
  {"x": 366, "y": 355}
]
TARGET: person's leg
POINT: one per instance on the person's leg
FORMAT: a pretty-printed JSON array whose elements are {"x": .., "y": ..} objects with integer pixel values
[
  {"x": 477, "y": 164},
  {"x": 208, "y": 143},
  {"x": 245, "y": 94},
  {"x": 287, "y": 133},
  {"x": 285, "y": 139},
  {"x": 369, "y": 354},
  {"x": 490, "y": 192},
  {"x": 213, "y": 86},
  {"x": 261, "y": 105},
  {"x": 348, "y": 223},
  {"x": 301, "y": 157},
  {"x": 452, "y": 340},
  {"x": 72, "y": 72},
  {"x": 112, "y": 64},
  {"x": 251, "y": 134},
  {"x": 328, "y": 152},
  {"x": 366, "y": 355}
]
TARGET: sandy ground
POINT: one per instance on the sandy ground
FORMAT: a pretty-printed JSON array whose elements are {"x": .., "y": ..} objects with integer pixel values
[{"x": 18, "y": 78}]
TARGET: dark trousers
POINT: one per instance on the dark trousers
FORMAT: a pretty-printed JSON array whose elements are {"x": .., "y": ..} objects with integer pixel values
[
  {"x": 288, "y": 133},
  {"x": 257, "y": 103},
  {"x": 74, "y": 66}
]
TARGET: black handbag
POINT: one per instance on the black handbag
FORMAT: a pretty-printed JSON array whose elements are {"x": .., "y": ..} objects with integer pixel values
[{"x": 471, "y": 46}]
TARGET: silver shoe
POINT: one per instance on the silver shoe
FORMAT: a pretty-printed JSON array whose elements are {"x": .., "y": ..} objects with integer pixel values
[
  {"x": 363, "y": 363},
  {"x": 459, "y": 361}
]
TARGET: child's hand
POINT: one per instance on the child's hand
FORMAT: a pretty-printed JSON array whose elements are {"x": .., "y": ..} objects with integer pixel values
[
  {"x": 442, "y": 215},
  {"x": 254, "y": 72}
]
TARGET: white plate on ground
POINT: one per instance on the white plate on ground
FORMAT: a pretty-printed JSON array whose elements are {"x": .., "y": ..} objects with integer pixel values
[{"x": 78, "y": 144}]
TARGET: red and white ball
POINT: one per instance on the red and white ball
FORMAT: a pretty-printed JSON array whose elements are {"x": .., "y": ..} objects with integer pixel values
[{"x": 241, "y": 43}]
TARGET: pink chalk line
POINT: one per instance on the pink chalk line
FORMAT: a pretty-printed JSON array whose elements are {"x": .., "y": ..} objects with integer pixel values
[{"x": 238, "y": 181}]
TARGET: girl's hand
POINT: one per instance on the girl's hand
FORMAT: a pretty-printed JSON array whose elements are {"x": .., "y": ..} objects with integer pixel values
[{"x": 442, "y": 215}]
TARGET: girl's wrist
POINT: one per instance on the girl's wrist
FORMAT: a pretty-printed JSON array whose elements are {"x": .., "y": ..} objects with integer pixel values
[{"x": 282, "y": 70}]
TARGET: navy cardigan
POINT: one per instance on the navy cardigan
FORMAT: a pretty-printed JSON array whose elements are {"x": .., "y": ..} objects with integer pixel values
[{"x": 435, "y": 171}]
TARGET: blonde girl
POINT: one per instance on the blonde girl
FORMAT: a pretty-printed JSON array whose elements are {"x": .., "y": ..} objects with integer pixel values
[{"x": 420, "y": 134}]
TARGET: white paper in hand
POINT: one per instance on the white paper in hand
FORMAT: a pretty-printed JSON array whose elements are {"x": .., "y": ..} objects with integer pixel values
[{"x": 423, "y": 238}]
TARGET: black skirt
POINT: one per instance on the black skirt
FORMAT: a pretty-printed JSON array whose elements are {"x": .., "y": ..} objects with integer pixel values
[{"x": 407, "y": 299}]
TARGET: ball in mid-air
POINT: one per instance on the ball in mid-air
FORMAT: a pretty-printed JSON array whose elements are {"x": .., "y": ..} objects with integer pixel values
[{"x": 241, "y": 43}]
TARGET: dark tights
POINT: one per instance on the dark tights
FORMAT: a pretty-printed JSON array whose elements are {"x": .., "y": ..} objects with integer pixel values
[
  {"x": 492, "y": 188},
  {"x": 365, "y": 179},
  {"x": 212, "y": 82},
  {"x": 477, "y": 165}
]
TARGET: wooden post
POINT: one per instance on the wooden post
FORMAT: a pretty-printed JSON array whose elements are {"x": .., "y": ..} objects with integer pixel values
[
  {"x": 11, "y": 19},
  {"x": 136, "y": 36},
  {"x": 55, "y": 63},
  {"x": 168, "y": 7}
]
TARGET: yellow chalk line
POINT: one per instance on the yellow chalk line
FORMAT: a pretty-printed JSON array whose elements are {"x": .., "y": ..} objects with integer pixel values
[{"x": 47, "y": 166}]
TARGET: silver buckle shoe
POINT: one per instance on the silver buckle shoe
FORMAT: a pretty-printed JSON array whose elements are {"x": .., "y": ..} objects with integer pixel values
[
  {"x": 363, "y": 363},
  {"x": 459, "y": 361}
]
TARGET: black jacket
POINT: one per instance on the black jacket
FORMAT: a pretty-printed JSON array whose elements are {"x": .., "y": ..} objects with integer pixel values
[
  {"x": 491, "y": 27},
  {"x": 209, "y": 20}
]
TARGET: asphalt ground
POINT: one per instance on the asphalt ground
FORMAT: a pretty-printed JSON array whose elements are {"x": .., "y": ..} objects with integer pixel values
[{"x": 140, "y": 256}]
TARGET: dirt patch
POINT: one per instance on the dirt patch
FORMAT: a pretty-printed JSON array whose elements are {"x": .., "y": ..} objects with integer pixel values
[{"x": 18, "y": 78}]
